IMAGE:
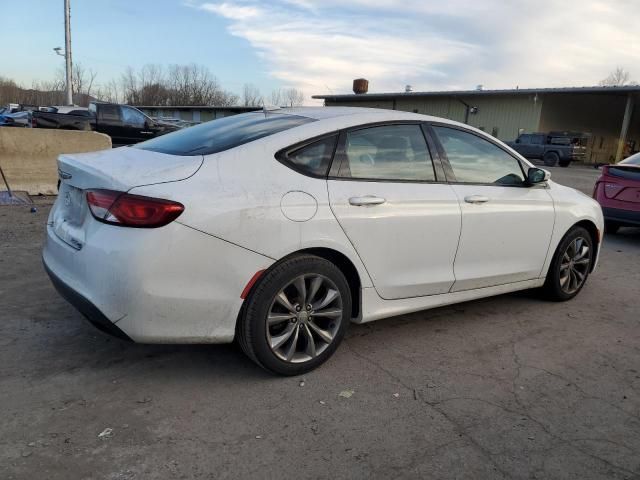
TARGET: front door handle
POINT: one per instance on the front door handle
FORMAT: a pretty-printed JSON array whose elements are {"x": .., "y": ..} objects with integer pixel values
[
  {"x": 366, "y": 200},
  {"x": 476, "y": 199}
]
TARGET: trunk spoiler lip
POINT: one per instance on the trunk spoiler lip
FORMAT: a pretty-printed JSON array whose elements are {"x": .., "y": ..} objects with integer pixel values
[{"x": 118, "y": 171}]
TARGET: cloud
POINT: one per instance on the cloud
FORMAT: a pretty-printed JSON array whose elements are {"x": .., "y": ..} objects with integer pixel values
[
  {"x": 231, "y": 11},
  {"x": 321, "y": 45}
]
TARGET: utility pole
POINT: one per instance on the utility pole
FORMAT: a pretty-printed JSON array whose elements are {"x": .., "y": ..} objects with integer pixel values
[{"x": 67, "y": 49}]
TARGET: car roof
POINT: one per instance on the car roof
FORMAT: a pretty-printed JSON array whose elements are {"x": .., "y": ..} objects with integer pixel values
[{"x": 323, "y": 113}]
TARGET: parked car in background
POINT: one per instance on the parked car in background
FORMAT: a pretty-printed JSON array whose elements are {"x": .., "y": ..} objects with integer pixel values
[
  {"x": 618, "y": 192},
  {"x": 553, "y": 148},
  {"x": 123, "y": 123},
  {"x": 279, "y": 228},
  {"x": 176, "y": 121},
  {"x": 14, "y": 119}
]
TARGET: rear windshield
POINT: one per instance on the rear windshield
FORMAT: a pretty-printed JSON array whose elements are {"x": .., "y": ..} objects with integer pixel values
[
  {"x": 222, "y": 134},
  {"x": 630, "y": 172}
]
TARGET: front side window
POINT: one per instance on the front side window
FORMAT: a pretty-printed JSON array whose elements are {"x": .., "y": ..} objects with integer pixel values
[
  {"x": 131, "y": 116},
  {"x": 476, "y": 160},
  {"x": 223, "y": 134},
  {"x": 315, "y": 158},
  {"x": 389, "y": 152}
]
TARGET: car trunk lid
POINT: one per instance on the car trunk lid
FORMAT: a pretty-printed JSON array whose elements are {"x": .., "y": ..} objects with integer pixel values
[
  {"x": 119, "y": 169},
  {"x": 622, "y": 182}
]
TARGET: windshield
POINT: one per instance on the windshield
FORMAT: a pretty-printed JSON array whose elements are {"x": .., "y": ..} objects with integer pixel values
[{"x": 222, "y": 134}]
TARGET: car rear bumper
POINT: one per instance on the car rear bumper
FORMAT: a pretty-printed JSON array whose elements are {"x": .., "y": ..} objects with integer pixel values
[
  {"x": 168, "y": 285},
  {"x": 627, "y": 217},
  {"x": 84, "y": 306}
]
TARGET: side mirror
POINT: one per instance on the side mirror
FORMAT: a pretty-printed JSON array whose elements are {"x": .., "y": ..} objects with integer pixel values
[{"x": 537, "y": 175}]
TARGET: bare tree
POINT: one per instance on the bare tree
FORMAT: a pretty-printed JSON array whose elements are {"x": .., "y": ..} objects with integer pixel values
[
  {"x": 289, "y": 97},
  {"x": 151, "y": 85},
  {"x": 251, "y": 95},
  {"x": 618, "y": 78},
  {"x": 276, "y": 98}
]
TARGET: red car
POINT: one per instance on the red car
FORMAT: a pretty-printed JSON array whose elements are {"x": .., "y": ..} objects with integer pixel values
[{"x": 618, "y": 192}]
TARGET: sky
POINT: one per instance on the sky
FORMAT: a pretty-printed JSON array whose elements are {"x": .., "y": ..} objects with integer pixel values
[{"x": 320, "y": 46}]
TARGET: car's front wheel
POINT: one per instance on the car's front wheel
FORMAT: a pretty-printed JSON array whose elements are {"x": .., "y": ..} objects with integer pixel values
[
  {"x": 570, "y": 266},
  {"x": 296, "y": 315}
]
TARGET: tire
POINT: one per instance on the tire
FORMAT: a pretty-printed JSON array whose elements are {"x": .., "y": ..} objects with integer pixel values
[
  {"x": 564, "y": 163},
  {"x": 550, "y": 159},
  {"x": 611, "y": 227},
  {"x": 313, "y": 334},
  {"x": 558, "y": 287}
]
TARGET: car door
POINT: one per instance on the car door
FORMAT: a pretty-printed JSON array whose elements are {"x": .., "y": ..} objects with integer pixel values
[
  {"x": 134, "y": 125},
  {"x": 109, "y": 121},
  {"x": 395, "y": 207},
  {"x": 524, "y": 145},
  {"x": 506, "y": 224},
  {"x": 537, "y": 146}
]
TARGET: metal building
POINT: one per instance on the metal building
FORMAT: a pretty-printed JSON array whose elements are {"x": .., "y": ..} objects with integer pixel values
[
  {"x": 607, "y": 114},
  {"x": 195, "y": 114}
]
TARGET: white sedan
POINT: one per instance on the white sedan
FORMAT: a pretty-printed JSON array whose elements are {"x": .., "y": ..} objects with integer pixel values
[{"x": 279, "y": 228}]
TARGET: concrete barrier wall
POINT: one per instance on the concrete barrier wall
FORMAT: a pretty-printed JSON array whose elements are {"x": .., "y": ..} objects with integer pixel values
[{"x": 28, "y": 155}]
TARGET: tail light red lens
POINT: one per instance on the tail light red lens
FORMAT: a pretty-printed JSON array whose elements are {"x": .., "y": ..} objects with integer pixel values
[
  {"x": 612, "y": 189},
  {"x": 126, "y": 210}
]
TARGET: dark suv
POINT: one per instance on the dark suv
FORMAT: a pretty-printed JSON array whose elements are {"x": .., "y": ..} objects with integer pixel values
[{"x": 553, "y": 147}]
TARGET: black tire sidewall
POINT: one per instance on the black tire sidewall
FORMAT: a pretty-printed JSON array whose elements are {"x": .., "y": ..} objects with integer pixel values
[
  {"x": 550, "y": 159},
  {"x": 552, "y": 284},
  {"x": 259, "y": 303},
  {"x": 611, "y": 227}
]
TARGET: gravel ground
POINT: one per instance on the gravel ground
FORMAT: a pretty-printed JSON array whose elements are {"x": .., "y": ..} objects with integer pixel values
[{"x": 506, "y": 387}]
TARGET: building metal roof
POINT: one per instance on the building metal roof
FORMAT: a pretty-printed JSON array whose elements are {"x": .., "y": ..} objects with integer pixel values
[{"x": 466, "y": 93}]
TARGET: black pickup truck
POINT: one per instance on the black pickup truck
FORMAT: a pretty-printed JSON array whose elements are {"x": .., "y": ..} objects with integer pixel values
[
  {"x": 123, "y": 123},
  {"x": 553, "y": 147}
]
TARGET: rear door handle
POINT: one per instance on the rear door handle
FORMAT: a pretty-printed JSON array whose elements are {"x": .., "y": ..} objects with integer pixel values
[
  {"x": 366, "y": 200},
  {"x": 476, "y": 199}
]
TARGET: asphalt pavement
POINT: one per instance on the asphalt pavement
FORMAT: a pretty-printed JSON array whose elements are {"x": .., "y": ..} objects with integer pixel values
[{"x": 506, "y": 387}]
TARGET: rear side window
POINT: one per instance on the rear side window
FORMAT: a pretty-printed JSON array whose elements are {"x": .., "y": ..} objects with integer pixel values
[
  {"x": 223, "y": 134},
  {"x": 313, "y": 159},
  {"x": 109, "y": 112}
]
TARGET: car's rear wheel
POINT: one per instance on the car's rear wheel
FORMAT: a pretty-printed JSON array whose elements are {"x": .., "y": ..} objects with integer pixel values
[
  {"x": 570, "y": 266},
  {"x": 564, "y": 163},
  {"x": 296, "y": 315},
  {"x": 611, "y": 227},
  {"x": 550, "y": 159}
]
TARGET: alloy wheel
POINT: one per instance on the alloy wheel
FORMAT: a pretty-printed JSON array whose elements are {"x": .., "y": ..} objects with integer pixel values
[
  {"x": 304, "y": 318},
  {"x": 574, "y": 265}
]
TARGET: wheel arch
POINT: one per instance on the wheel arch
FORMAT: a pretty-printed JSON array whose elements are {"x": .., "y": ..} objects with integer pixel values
[
  {"x": 347, "y": 268},
  {"x": 594, "y": 233},
  {"x": 339, "y": 259}
]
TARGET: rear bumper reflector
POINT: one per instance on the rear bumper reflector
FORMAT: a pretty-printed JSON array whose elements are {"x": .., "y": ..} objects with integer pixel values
[{"x": 251, "y": 283}]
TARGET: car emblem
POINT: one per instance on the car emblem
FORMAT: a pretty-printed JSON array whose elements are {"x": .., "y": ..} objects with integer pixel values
[{"x": 64, "y": 175}]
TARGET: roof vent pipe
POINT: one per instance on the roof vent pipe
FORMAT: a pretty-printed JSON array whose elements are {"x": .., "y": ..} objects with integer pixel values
[
  {"x": 360, "y": 86},
  {"x": 408, "y": 89}
]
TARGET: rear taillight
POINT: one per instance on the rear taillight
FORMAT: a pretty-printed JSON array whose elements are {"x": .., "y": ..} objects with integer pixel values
[
  {"x": 612, "y": 189},
  {"x": 126, "y": 210}
]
